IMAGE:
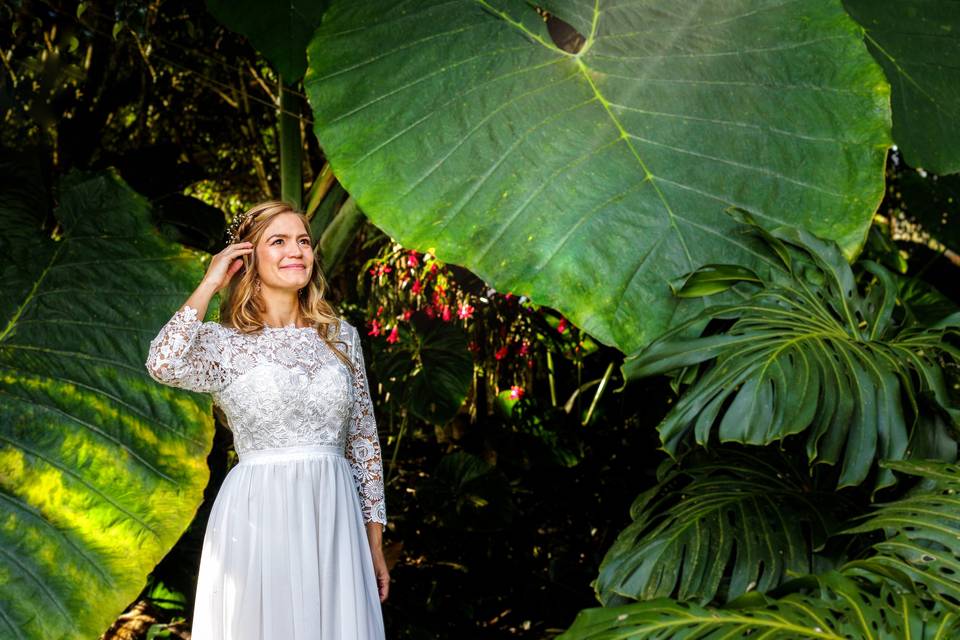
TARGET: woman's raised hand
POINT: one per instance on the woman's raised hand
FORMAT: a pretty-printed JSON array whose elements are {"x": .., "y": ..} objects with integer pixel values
[{"x": 225, "y": 264}]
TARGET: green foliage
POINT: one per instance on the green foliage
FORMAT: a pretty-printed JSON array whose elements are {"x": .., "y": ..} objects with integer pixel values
[
  {"x": 921, "y": 532},
  {"x": 811, "y": 351},
  {"x": 716, "y": 529},
  {"x": 429, "y": 370},
  {"x": 830, "y": 606},
  {"x": 101, "y": 469},
  {"x": 917, "y": 44},
  {"x": 588, "y": 173},
  {"x": 906, "y": 585},
  {"x": 466, "y": 492},
  {"x": 279, "y": 30}
]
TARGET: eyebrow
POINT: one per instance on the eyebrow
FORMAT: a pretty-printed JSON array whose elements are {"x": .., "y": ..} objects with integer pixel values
[{"x": 284, "y": 235}]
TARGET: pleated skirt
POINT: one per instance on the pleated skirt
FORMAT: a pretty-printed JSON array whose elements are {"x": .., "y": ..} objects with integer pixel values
[{"x": 285, "y": 552}]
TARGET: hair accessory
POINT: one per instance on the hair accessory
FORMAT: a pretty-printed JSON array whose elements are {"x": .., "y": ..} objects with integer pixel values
[{"x": 235, "y": 225}]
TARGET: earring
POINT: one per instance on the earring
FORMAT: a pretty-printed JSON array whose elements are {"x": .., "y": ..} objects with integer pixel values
[{"x": 257, "y": 286}]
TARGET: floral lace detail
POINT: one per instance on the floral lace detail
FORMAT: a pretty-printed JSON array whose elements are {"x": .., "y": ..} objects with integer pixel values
[
  {"x": 279, "y": 387},
  {"x": 363, "y": 444}
]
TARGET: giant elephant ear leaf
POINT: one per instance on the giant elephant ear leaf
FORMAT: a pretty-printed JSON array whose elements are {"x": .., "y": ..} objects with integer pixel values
[
  {"x": 589, "y": 172},
  {"x": 101, "y": 469},
  {"x": 918, "y": 44}
]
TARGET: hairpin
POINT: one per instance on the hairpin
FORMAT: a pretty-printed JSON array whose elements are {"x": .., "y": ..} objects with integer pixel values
[{"x": 235, "y": 226}]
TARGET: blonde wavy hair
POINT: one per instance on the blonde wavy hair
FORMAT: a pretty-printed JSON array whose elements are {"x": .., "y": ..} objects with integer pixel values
[{"x": 242, "y": 306}]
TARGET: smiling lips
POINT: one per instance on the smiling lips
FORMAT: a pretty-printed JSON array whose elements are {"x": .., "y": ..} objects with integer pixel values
[{"x": 294, "y": 266}]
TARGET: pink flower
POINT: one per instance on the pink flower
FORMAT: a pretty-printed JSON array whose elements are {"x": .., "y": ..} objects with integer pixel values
[
  {"x": 433, "y": 268},
  {"x": 501, "y": 353},
  {"x": 415, "y": 289},
  {"x": 445, "y": 314},
  {"x": 379, "y": 309},
  {"x": 562, "y": 325},
  {"x": 412, "y": 259},
  {"x": 430, "y": 312},
  {"x": 406, "y": 314},
  {"x": 465, "y": 311},
  {"x": 393, "y": 337},
  {"x": 524, "y": 348},
  {"x": 374, "y": 328},
  {"x": 516, "y": 392}
]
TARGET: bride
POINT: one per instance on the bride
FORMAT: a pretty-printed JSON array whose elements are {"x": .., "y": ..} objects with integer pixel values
[{"x": 293, "y": 546}]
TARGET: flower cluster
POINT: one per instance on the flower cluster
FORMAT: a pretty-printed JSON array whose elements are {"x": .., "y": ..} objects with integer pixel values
[{"x": 503, "y": 329}]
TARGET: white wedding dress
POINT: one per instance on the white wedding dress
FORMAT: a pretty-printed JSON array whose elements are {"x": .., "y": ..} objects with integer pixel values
[{"x": 285, "y": 553}]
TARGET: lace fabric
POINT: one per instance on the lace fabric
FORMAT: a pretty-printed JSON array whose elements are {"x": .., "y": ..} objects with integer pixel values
[{"x": 279, "y": 387}]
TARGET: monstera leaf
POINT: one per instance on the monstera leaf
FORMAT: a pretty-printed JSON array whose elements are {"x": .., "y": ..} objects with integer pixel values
[
  {"x": 101, "y": 469},
  {"x": 740, "y": 520},
  {"x": 827, "y": 607},
  {"x": 809, "y": 352},
  {"x": 279, "y": 30},
  {"x": 585, "y": 160},
  {"x": 921, "y": 531},
  {"x": 918, "y": 44}
]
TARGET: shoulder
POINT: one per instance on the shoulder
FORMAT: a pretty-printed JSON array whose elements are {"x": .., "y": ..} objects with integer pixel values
[{"x": 347, "y": 330}]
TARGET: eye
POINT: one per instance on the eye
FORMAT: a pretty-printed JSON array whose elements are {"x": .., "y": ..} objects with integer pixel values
[{"x": 277, "y": 240}]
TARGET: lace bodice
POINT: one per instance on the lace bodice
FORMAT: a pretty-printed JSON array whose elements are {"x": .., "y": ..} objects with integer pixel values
[{"x": 280, "y": 387}]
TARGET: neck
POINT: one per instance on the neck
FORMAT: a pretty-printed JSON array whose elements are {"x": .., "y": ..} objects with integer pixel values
[{"x": 282, "y": 308}]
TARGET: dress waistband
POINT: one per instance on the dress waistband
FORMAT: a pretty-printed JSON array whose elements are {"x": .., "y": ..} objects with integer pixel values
[{"x": 282, "y": 454}]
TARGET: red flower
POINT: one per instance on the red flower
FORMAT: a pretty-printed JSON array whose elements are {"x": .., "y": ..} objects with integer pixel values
[
  {"x": 433, "y": 268},
  {"x": 562, "y": 325},
  {"x": 374, "y": 328},
  {"x": 406, "y": 314},
  {"x": 415, "y": 289},
  {"x": 430, "y": 312},
  {"x": 473, "y": 346},
  {"x": 507, "y": 295},
  {"x": 393, "y": 337},
  {"x": 465, "y": 311},
  {"x": 516, "y": 392},
  {"x": 412, "y": 259},
  {"x": 501, "y": 352},
  {"x": 524, "y": 348},
  {"x": 379, "y": 309},
  {"x": 445, "y": 313}
]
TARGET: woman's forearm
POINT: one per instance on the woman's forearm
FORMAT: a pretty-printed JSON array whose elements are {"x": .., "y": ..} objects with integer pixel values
[
  {"x": 375, "y": 534},
  {"x": 201, "y": 297}
]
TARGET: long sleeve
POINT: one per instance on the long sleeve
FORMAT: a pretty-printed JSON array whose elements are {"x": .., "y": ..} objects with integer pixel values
[
  {"x": 187, "y": 353},
  {"x": 363, "y": 444}
]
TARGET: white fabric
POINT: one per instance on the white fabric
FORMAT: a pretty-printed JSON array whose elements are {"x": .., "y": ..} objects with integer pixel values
[{"x": 285, "y": 553}]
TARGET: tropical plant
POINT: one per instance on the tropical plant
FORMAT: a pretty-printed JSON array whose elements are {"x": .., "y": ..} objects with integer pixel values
[
  {"x": 101, "y": 469},
  {"x": 811, "y": 350},
  {"x": 715, "y": 528},
  {"x": 904, "y": 586},
  {"x": 587, "y": 171}
]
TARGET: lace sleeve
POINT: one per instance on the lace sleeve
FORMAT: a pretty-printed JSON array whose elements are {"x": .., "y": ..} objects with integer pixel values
[
  {"x": 363, "y": 444},
  {"x": 186, "y": 353}
]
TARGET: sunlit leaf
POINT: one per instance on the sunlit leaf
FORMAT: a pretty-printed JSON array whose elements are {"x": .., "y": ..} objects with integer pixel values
[
  {"x": 101, "y": 468},
  {"x": 587, "y": 164}
]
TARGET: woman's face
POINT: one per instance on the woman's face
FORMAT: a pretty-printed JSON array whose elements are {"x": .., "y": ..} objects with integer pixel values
[{"x": 284, "y": 254}]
